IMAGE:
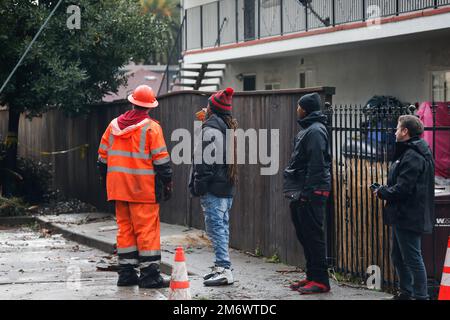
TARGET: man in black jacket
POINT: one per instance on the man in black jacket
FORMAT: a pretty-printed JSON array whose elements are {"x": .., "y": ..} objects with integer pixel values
[
  {"x": 409, "y": 208},
  {"x": 307, "y": 183}
]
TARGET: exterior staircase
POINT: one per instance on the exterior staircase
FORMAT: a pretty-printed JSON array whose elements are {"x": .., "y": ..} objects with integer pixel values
[{"x": 204, "y": 77}]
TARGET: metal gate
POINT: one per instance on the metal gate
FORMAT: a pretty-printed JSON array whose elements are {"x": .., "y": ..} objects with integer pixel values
[{"x": 362, "y": 145}]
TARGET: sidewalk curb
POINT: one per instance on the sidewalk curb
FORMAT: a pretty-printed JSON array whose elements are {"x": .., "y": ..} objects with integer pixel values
[
  {"x": 77, "y": 237},
  {"x": 90, "y": 241},
  {"x": 16, "y": 221}
]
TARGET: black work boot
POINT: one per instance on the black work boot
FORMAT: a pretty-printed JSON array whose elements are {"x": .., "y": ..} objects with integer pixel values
[
  {"x": 151, "y": 278},
  {"x": 127, "y": 276}
]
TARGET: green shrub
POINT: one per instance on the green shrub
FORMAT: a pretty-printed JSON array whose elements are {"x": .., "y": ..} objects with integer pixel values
[
  {"x": 32, "y": 180},
  {"x": 12, "y": 207},
  {"x": 9, "y": 179},
  {"x": 36, "y": 186}
]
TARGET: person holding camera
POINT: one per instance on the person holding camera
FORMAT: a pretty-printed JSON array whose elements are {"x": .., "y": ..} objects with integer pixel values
[{"x": 409, "y": 206}]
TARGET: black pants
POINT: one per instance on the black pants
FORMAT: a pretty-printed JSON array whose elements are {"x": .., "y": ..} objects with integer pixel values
[
  {"x": 406, "y": 254},
  {"x": 309, "y": 219}
]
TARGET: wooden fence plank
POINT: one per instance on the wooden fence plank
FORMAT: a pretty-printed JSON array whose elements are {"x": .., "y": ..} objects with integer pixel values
[{"x": 260, "y": 217}]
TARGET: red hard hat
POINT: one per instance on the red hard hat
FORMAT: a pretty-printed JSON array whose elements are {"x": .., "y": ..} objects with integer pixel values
[{"x": 143, "y": 96}]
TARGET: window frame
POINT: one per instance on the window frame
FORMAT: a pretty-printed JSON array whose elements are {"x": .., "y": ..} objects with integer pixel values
[{"x": 446, "y": 87}]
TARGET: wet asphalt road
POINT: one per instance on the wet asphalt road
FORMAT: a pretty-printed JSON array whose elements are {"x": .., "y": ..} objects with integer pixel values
[{"x": 34, "y": 264}]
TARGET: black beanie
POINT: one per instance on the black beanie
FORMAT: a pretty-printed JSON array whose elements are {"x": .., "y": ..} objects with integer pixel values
[{"x": 310, "y": 102}]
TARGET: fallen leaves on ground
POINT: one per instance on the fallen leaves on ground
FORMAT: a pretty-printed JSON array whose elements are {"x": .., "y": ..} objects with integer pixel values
[
  {"x": 45, "y": 233},
  {"x": 296, "y": 270},
  {"x": 102, "y": 265}
]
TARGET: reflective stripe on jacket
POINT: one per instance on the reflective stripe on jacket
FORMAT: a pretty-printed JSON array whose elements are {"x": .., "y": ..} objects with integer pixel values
[{"x": 133, "y": 156}]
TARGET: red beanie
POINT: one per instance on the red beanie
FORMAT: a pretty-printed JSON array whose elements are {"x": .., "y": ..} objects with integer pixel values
[{"x": 221, "y": 102}]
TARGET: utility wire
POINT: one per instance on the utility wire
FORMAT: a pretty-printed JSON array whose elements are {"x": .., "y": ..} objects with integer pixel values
[{"x": 29, "y": 46}]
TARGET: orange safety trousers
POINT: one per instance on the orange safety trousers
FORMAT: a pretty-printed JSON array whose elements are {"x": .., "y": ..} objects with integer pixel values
[{"x": 138, "y": 237}]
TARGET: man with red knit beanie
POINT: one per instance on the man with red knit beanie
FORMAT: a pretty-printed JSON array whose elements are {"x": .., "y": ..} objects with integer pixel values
[{"x": 214, "y": 182}]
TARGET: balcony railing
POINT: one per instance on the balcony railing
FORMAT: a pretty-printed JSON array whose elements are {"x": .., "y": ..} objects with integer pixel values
[{"x": 235, "y": 21}]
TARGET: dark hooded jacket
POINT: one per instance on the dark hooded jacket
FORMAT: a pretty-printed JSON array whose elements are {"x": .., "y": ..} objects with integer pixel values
[
  {"x": 310, "y": 164},
  {"x": 212, "y": 177},
  {"x": 409, "y": 193}
]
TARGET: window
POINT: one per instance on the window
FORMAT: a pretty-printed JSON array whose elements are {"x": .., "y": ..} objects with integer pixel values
[
  {"x": 440, "y": 86},
  {"x": 272, "y": 86},
  {"x": 249, "y": 82},
  {"x": 302, "y": 80},
  {"x": 307, "y": 78}
]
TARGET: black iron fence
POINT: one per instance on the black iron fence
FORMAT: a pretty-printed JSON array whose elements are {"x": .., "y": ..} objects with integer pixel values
[
  {"x": 235, "y": 21},
  {"x": 363, "y": 143}
]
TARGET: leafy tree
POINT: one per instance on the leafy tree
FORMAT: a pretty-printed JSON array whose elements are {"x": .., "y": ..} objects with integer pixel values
[
  {"x": 163, "y": 8},
  {"x": 169, "y": 11},
  {"x": 70, "y": 69}
]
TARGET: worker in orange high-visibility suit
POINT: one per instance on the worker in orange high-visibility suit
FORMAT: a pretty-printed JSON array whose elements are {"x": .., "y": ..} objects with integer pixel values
[{"x": 134, "y": 160}]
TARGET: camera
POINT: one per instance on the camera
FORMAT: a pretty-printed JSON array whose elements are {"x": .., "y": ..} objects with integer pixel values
[{"x": 375, "y": 186}]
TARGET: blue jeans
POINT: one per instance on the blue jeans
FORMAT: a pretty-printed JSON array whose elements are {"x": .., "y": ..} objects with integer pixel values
[
  {"x": 217, "y": 217},
  {"x": 408, "y": 262}
]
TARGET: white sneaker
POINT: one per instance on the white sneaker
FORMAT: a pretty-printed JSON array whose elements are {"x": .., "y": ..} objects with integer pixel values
[
  {"x": 210, "y": 274},
  {"x": 220, "y": 278}
]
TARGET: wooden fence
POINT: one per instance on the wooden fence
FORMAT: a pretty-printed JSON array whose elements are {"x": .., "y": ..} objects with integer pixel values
[{"x": 260, "y": 216}]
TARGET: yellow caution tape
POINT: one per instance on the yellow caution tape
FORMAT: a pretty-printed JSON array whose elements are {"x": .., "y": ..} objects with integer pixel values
[{"x": 83, "y": 149}]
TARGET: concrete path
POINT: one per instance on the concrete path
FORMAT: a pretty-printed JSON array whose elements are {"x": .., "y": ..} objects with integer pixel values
[
  {"x": 255, "y": 277},
  {"x": 41, "y": 266}
]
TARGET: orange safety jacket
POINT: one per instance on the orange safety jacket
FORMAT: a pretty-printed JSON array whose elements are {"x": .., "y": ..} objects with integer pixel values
[{"x": 133, "y": 156}]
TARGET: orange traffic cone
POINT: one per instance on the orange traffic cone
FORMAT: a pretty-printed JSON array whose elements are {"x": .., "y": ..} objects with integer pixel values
[
  {"x": 179, "y": 282},
  {"x": 444, "y": 291}
]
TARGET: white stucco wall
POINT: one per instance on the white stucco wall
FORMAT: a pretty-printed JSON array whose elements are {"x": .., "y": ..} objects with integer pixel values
[{"x": 401, "y": 68}]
